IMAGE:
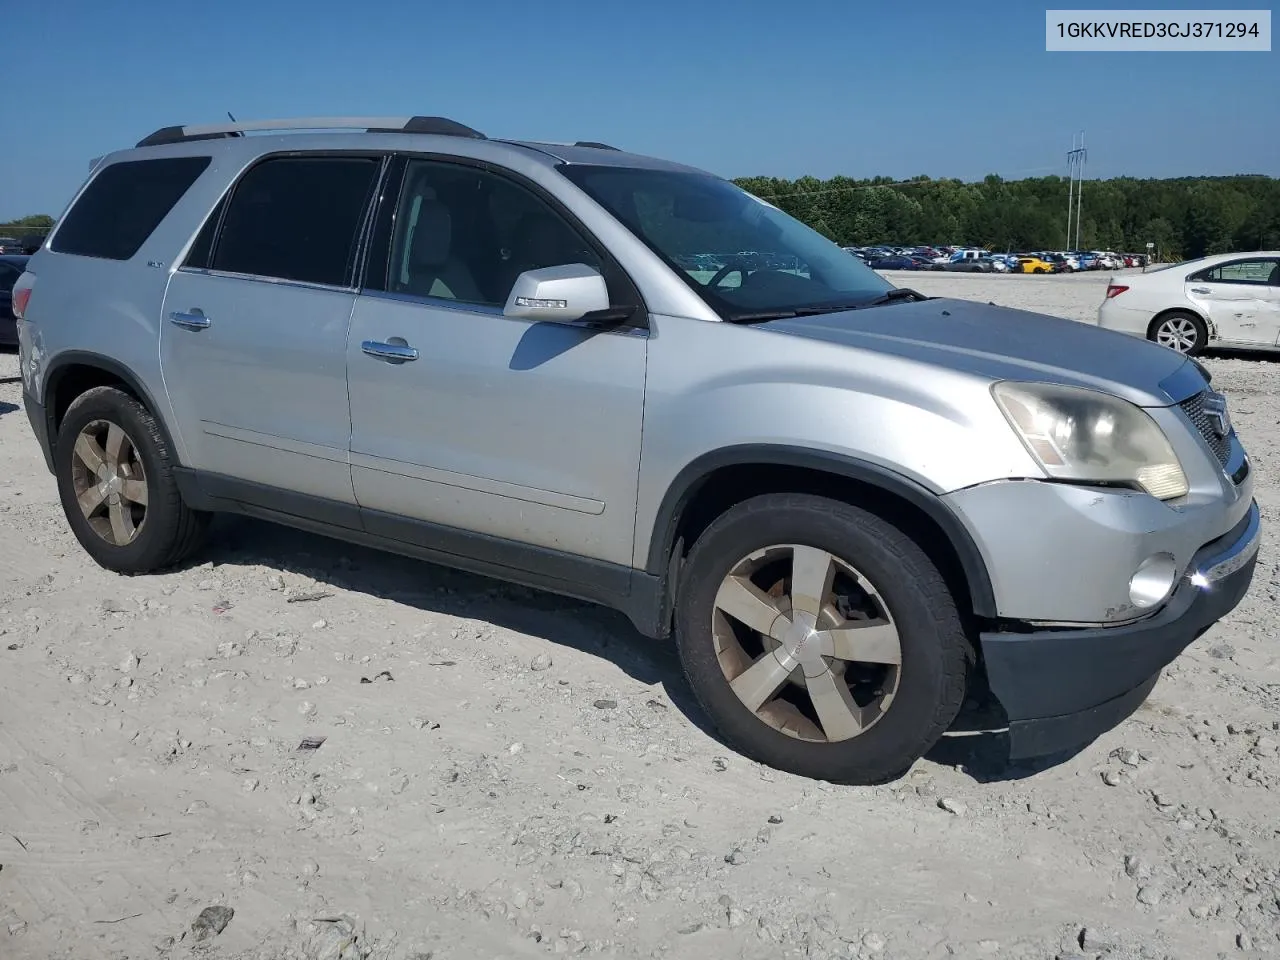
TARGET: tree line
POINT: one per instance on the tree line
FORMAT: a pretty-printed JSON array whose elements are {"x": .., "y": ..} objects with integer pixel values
[{"x": 1185, "y": 218}]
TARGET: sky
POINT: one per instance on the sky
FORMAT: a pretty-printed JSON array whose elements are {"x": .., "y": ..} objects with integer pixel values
[{"x": 820, "y": 87}]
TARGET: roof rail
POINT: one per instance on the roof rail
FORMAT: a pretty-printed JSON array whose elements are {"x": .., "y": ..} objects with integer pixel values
[
  {"x": 435, "y": 125},
  {"x": 593, "y": 143}
]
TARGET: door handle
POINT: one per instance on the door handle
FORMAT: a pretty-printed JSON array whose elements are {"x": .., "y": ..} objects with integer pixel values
[
  {"x": 393, "y": 351},
  {"x": 1201, "y": 290},
  {"x": 190, "y": 319}
]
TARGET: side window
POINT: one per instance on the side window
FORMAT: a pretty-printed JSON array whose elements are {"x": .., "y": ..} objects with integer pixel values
[
  {"x": 202, "y": 250},
  {"x": 1244, "y": 271},
  {"x": 295, "y": 218},
  {"x": 465, "y": 234},
  {"x": 123, "y": 205}
]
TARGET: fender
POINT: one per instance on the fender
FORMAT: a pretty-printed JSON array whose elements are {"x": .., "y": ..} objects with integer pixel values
[
  {"x": 690, "y": 479},
  {"x": 82, "y": 358}
]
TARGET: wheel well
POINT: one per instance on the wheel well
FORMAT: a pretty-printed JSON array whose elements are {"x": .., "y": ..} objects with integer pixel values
[
  {"x": 1151, "y": 327},
  {"x": 730, "y": 485},
  {"x": 71, "y": 381}
]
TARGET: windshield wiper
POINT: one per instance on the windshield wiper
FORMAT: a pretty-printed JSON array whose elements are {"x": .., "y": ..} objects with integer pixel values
[
  {"x": 893, "y": 296},
  {"x": 764, "y": 315}
]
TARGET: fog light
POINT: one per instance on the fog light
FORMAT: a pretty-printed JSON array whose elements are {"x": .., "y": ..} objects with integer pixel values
[{"x": 1153, "y": 580}]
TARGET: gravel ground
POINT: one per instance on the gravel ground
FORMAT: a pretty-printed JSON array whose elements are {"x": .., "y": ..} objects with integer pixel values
[{"x": 507, "y": 774}]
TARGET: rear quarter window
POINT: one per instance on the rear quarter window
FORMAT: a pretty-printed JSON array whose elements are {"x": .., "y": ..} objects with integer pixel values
[{"x": 123, "y": 205}]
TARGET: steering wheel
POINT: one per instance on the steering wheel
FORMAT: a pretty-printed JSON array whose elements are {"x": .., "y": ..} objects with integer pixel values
[{"x": 724, "y": 271}]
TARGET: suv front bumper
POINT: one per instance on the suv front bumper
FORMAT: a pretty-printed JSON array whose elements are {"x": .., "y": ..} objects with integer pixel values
[{"x": 1062, "y": 688}]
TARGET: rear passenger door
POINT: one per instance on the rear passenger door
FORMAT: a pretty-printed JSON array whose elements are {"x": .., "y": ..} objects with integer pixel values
[
  {"x": 254, "y": 329},
  {"x": 1236, "y": 296}
]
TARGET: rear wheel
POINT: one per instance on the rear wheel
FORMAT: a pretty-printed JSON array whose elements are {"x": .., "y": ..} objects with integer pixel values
[
  {"x": 116, "y": 483},
  {"x": 820, "y": 639},
  {"x": 1180, "y": 331}
]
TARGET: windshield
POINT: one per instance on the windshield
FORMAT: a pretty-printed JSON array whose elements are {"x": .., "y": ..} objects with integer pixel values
[{"x": 744, "y": 257}]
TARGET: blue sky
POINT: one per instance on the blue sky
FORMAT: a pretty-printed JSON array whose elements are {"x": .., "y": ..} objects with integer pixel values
[{"x": 749, "y": 87}]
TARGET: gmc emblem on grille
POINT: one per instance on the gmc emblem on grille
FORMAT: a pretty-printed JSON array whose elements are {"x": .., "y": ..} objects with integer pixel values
[{"x": 1215, "y": 408}]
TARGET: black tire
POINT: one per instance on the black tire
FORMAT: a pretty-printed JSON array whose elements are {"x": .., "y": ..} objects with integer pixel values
[
  {"x": 935, "y": 652},
  {"x": 1199, "y": 330},
  {"x": 169, "y": 531}
]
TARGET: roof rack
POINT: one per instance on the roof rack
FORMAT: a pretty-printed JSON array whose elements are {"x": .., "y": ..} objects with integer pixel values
[
  {"x": 441, "y": 126},
  {"x": 593, "y": 143}
]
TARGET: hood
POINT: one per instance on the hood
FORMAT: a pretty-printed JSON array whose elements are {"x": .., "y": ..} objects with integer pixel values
[{"x": 1000, "y": 343}]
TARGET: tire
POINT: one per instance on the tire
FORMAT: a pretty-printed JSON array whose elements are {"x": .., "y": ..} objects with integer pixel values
[
  {"x": 121, "y": 533},
  {"x": 926, "y": 688},
  {"x": 1179, "y": 330}
]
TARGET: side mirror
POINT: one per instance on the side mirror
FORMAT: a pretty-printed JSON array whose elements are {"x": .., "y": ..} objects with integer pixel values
[{"x": 562, "y": 294}]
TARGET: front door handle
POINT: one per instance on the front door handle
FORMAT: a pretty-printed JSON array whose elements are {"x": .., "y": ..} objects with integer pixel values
[
  {"x": 1201, "y": 290},
  {"x": 189, "y": 319},
  {"x": 395, "y": 350}
]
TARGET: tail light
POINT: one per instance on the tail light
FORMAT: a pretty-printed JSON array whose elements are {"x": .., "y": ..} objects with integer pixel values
[
  {"x": 1115, "y": 289},
  {"x": 21, "y": 297}
]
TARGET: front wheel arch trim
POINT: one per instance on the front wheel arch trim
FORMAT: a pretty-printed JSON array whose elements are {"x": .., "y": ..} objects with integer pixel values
[{"x": 688, "y": 481}]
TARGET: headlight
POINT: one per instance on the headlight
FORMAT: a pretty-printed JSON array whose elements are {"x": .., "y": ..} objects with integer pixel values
[{"x": 1092, "y": 437}]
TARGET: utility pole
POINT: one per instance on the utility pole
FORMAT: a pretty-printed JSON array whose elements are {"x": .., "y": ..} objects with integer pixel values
[
  {"x": 1084, "y": 157},
  {"x": 1071, "y": 186},
  {"x": 1075, "y": 171}
]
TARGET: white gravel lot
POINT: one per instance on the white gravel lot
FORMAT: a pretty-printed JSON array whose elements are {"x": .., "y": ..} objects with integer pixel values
[{"x": 526, "y": 776}]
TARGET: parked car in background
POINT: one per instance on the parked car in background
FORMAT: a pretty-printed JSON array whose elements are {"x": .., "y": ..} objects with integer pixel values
[
  {"x": 11, "y": 268},
  {"x": 10, "y": 246},
  {"x": 895, "y": 262},
  {"x": 1061, "y": 263},
  {"x": 1031, "y": 264},
  {"x": 981, "y": 264},
  {"x": 1229, "y": 300}
]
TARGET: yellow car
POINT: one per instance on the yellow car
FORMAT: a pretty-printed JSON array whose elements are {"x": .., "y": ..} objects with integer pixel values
[{"x": 1034, "y": 265}]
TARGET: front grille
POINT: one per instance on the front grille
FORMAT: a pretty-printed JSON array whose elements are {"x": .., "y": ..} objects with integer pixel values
[{"x": 1193, "y": 407}]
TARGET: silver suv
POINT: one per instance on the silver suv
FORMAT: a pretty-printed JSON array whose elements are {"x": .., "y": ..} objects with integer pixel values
[{"x": 631, "y": 382}]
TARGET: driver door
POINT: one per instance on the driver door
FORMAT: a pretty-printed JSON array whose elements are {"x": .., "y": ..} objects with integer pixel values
[{"x": 1238, "y": 297}]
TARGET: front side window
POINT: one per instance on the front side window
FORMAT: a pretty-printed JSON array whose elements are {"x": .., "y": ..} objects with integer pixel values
[
  {"x": 464, "y": 234},
  {"x": 1258, "y": 271},
  {"x": 294, "y": 218},
  {"x": 123, "y": 205},
  {"x": 744, "y": 257}
]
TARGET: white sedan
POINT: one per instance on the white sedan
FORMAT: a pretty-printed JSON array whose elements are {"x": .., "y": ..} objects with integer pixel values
[{"x": 1227, "y": 300}]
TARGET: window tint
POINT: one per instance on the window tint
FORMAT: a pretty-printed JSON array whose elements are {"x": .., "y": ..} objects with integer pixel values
[
  {"x": 465, "y": 234},
  {"x": 1243, "y": 271},
  {"x": 202, "y": 249},
  {"x": 124, "y": 204},
  {"x": 297, "y": 218},
  {"x": 9, "y": 275}
]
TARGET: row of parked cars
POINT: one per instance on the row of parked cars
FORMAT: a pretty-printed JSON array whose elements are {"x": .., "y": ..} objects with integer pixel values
[
  {"x": 977, "y": 260},
  {"x": 20, "y": 246}
]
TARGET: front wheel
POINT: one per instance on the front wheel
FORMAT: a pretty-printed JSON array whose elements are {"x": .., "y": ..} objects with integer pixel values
[
  {"x": 116, "y": 483},
  {"x": 820, "y": 639},
  {"x": 1180, "y": 331}
]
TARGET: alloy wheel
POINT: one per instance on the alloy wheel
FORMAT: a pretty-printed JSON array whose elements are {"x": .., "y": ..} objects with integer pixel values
[
  {"x": 1177, "y": 333},
  {"x": 110, "y": 482},
  {"x": 807, "y": 643}
]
